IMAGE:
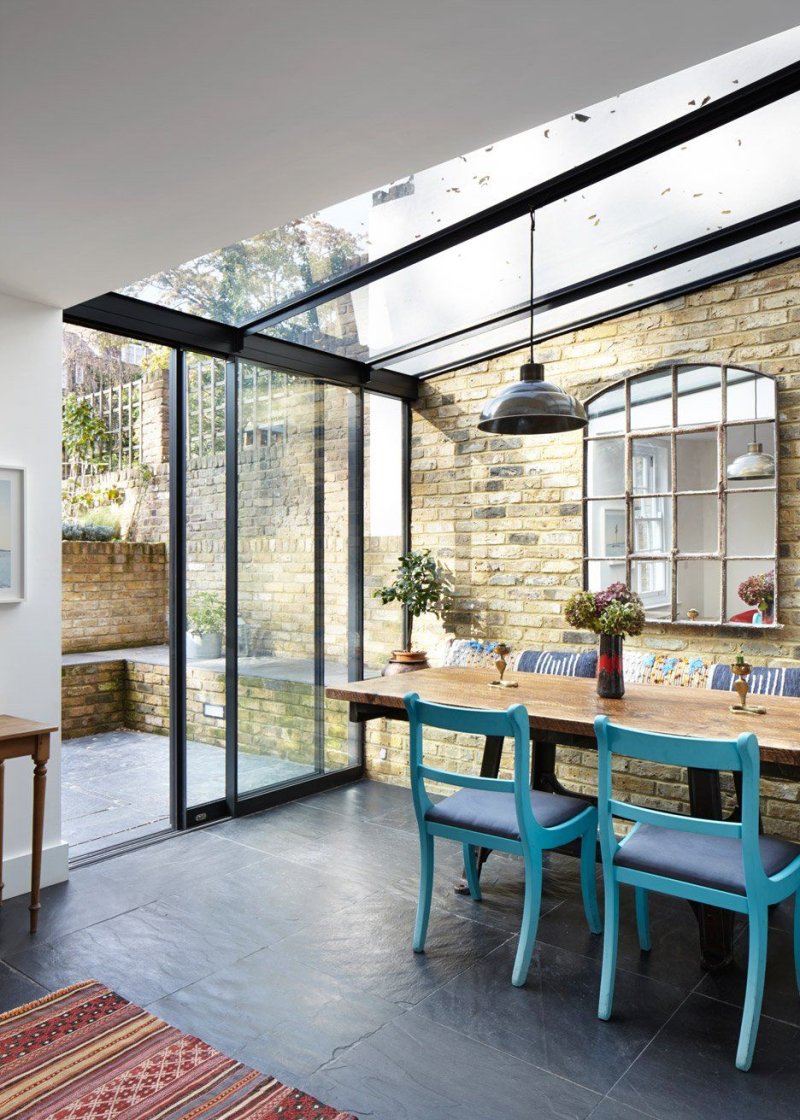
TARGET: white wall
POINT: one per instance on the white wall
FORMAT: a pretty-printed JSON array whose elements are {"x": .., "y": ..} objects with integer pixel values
[{"x": 30, "y": 632}]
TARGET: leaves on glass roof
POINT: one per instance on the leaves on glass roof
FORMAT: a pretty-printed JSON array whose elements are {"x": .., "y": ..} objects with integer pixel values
[{"x": 582, "y": 117}]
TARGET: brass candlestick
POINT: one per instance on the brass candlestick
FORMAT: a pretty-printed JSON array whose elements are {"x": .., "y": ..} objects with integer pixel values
[
  {"x": 741, "y": 671},
  {"x": 502, "y": 651}
]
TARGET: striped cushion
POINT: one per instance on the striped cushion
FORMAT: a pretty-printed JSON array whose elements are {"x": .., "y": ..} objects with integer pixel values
[
  {"x": 764, "y": 680},
  {"x": 663, "y": 668},
  {"x": 560, "y": 664}
]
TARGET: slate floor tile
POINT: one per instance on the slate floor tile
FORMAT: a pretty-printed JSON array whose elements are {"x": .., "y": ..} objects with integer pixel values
[
  {"x": 552, "y": 1021},
  {"x": 275, "y": 1013},
  {"x": 688, "y": 1071},
  {"x": 781, "y": 998},
  {"x": 16, "y": 989},
  {"x": 369, "y": 944},
  {"x": 143, "y": 954},
  {"x": 412, "y": 1069}
]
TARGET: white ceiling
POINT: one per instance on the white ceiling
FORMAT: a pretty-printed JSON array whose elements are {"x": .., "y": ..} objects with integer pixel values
[{"x": 136, "y": 134}]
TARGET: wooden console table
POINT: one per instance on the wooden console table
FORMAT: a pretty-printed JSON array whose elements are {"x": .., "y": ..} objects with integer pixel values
[{"x": 21, "y": 738}]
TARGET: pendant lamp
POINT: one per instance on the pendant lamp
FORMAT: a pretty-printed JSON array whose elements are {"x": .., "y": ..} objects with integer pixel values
[
  {"x": 532, "y": 406},
  {"x": 755, "y": 463}
]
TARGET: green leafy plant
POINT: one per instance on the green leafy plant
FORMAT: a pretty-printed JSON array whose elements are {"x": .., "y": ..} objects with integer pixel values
[
  {"x": 85, "y": 437},
  {"x": 206, "y": 614},
  {"x": 617, "y": 610},
  {"x": 419, "y": 587}
]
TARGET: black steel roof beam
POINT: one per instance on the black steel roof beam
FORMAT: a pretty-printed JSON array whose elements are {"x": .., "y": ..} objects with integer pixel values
[
  {"x": 165, "y": 326},
  {"x": 701, "y": 283},
  {"x": 741, "y": 102},
  {"x": 624, "y": 274}
]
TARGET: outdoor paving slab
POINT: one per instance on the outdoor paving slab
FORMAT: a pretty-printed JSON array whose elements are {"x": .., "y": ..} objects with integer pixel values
[
  {"x": 688, "y": 1071},
  {"x": 413, "y": 1069},
  {"x": 552, "y": 1020}
]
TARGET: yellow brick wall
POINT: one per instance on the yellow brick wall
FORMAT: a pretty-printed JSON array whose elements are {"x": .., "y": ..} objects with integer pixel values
[{"x": 504, "y": 514}]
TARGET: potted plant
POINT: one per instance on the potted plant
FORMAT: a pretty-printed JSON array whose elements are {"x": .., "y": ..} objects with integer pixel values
[
  {"x": 419, "y": 588},
  {"x": 613, "y": 614},
  {"x": 205, "y": 617}
]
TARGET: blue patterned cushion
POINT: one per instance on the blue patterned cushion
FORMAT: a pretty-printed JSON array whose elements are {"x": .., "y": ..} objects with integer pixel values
[
  {"x": 559, "y": 664},
  {"x": 764, "y": 680},
  {"x": 470, "y": 654}
]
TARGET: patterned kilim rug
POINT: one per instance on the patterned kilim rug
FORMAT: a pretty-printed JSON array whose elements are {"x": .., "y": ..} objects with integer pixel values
[{"x": 86, "y": 1053}]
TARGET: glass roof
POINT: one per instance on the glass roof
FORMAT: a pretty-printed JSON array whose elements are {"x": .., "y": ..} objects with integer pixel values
[{"x": 724, "y": 177}]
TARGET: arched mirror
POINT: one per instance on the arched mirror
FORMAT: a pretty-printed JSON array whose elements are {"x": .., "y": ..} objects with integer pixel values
[{"x": 680, "y": 493}]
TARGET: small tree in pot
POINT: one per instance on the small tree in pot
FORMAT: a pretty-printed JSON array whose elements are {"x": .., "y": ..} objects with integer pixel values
[
  {"x": 205, "y": 618},
  {"x": 419, "y": 588}
]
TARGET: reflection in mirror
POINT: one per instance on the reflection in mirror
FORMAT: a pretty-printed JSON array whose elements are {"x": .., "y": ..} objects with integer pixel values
[
  {"x": 750, "y": 524},
  {"x": 652, "y": 580},
  {"x": 607, "y": 413},
  {"x": 696, "y": 461},
  {"x": 699, "y": 395},
  {"x": 652, "y": 525},
  {"x": 750, "y": 396},
  {"x": 605, "y": 467},
  {"x": 699, "y": 584},
  {"x": 698, "y": 523},
  {"x": 651, "y": 401},
  {"x": 651, "y": 465},
  {"x": 739, "y": 439},
  {"x": 737, "y": 609},
  {"x": 605, "y": 523}
]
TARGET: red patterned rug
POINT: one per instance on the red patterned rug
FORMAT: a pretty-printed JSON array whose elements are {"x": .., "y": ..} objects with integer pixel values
[{"x": 86, "y": 1053}]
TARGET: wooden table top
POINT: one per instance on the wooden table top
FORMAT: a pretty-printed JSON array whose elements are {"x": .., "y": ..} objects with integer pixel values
[
  {"x": 12, "y": 727},
  {"x": 570, "y": 704}
]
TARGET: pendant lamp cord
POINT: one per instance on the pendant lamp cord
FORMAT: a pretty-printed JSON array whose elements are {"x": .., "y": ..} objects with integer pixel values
[{"x": 533, "y": 230}]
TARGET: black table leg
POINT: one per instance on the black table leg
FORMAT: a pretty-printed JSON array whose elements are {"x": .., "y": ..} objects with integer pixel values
[
  {"x": 490, "y": 768},
  {"x": 716, "y": 925}
]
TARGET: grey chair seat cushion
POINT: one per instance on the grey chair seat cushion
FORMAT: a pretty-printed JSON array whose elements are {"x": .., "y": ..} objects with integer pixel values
[
  {"x": 486, "y": 811},
  {"x": 709, "y": 861}
]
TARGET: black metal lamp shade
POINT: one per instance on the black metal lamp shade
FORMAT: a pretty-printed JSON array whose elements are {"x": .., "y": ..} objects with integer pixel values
[{"x": 532, "y": 406}]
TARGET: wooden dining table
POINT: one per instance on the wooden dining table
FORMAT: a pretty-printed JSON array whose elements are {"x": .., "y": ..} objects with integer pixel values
[{"x": 562, "y": 711}]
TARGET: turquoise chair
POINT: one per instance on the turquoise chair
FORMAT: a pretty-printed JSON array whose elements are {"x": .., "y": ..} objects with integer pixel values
[
  {"x": 495, "y": 813},
  {"x": 719, "y": 863}
]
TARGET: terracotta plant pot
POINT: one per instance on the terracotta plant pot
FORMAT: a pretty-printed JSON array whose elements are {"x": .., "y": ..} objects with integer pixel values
[{"x": 406, "y": 661}]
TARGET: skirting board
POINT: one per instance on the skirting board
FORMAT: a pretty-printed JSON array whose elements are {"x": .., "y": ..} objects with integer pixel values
[{"x": 17, "y": 869}]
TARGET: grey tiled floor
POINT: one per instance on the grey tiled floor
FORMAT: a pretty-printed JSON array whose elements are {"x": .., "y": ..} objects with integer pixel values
[
  {"x": 115, "y": 786},
  {"x": 284, "y": 939}
]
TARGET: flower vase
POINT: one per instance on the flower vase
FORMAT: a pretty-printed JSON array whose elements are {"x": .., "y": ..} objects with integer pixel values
[{"x": 610, "y": 681}]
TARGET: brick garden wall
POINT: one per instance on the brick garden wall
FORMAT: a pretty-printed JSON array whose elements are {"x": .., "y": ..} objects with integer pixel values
[
  {"x": 504, "y": 514},
  {"x": 114, "y": 595}
]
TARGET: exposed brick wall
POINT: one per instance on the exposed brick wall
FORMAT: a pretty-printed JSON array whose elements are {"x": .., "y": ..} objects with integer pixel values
[
  {"x": 504, "y": 514},
  {"x": 114, "y": 595},
  {"x": 92, "y": 698}
]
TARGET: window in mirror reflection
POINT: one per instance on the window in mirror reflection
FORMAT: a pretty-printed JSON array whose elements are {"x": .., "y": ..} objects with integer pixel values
[{"x": 660, "y": 511}]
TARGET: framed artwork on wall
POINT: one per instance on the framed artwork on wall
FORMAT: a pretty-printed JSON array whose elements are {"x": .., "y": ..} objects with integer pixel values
[{"x": 12, "y": 535}]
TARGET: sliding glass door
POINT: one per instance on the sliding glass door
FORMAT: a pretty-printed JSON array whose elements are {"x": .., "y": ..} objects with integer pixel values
[{"x": 270, "y": 548}]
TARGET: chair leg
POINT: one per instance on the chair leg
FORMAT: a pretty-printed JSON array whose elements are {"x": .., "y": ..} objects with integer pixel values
[
  {"x": 797, "y": 939},
  {"x": 754, "y": 992},
  {"x": 471, "y": 871},
  {"x": 610, "y": 937},
  {"x": 425, "y": 892},
  {"x": 530, "y": 918},
  {"x": 589, "y": 879},
  {"x": 643, "y": 919}
]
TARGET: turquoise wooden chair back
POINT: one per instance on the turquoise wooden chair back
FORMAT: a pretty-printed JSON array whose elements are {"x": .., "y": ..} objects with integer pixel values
[
  {"x": 740, "y": 755},
  {"x": 513, "y": 723}
]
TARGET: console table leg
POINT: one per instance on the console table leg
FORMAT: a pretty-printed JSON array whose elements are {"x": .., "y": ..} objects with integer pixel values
[{"x": 39, "y": 783}]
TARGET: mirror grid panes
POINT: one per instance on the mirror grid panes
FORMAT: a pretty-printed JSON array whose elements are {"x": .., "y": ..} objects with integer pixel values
[{"x": 674, "y": 502}]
